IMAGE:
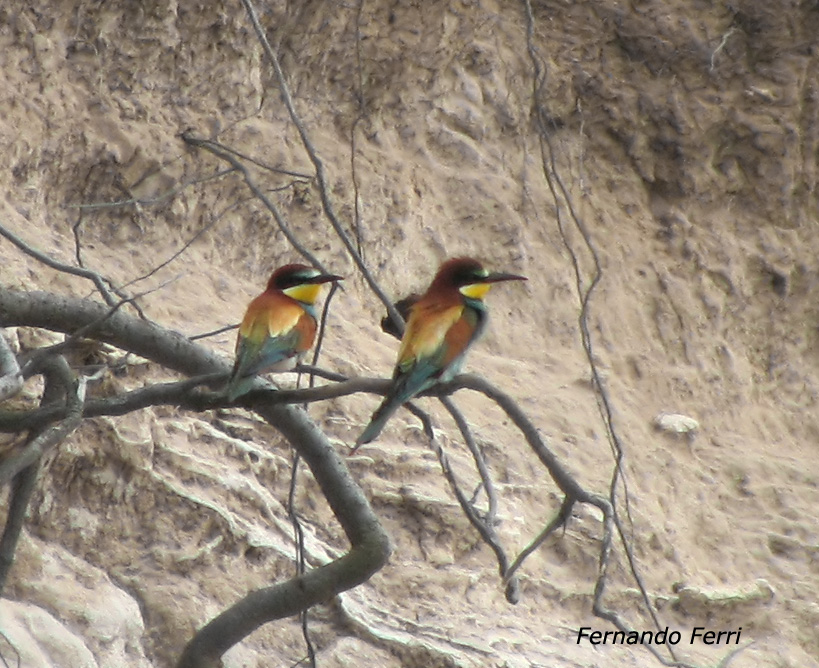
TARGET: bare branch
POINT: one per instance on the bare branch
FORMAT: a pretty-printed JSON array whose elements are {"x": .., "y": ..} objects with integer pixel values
[
  {"x": 23, "y": 468},
  {"x": 321, "y": 373},
  {"x": 359, "y": 95},
  {"x": 160, "y": 394},
  {"x": 215, "y": 332},
  {"x": 324, "y": 392},
  {"x": 151, "y": 200},
  {"x": 83, "y": 331},
  {"x": 68, "y": 315},
  {"x": 321, "y": 179},
  {"x": 93, "y": 276},
  {"x": 564, "y": 480},
  {"x": 174, "y": 255},
  {"x": 370, "y": 546},
  {"x": 306, "y": 178},
  {"x": 561, "y": 194},
  {"x": 485, "y": 530},
  {"x": 322, "y": 330},
  {"x": 557, "y": 521},
  {"x": 49, "y": 437},
  {"x": 301, "y": 563},
  {"x": 477, "y": 455},
  {"x": 227, "y": 154},
  {"x": 600, "y": 587},
  {"x": 180, "y": 394}
]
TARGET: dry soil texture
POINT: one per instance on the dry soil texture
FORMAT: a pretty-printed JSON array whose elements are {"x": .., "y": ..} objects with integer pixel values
[{"x": 680, "y": 135}]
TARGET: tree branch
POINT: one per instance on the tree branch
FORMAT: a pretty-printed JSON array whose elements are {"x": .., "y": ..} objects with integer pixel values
[
  {"x": 23, "y": 469},
  {"x": 477, "y": 455},
  {"x": 93, "y": 276},
  {"x": 562, "y": 477},
  {"x": 321, "y": 179},
  {"x": 559, "y": 192},
  {"x": 228, "y": 155},
  {"x": 557, "y": 521},
  {"x": 369, "y": 543},
  {"x": 486, "y": 531}
]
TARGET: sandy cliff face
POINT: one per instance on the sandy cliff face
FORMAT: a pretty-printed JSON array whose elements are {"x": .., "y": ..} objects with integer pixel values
[{"x": 686, "y": 138}]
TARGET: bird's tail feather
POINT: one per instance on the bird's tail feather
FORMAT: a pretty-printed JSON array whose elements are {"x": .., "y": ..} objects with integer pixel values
[
  {"x": 377, "y": 422},
  {"x": 237, "y": 386},
  {"x": 400, "y": 393}
]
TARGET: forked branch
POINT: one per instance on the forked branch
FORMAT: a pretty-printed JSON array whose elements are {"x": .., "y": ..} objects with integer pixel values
[
  {"x": 369, "y": 543},
  {"x": 23, "y": 468}
]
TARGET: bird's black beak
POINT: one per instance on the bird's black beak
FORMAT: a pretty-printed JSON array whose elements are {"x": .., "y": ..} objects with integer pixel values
[
  {"x": 325, "y": 278},
  {"x": 499, "y": 277}
]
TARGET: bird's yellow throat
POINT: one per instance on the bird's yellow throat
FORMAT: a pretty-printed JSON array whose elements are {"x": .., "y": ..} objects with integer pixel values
[
  {"x": 475, "y": 290},
  {"x": 307, "y": 292}
]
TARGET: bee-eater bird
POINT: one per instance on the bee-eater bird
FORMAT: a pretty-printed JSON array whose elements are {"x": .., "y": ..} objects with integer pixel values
[
  {"x": 443, "y": 323},
  {"x": 279, "y": 325}
]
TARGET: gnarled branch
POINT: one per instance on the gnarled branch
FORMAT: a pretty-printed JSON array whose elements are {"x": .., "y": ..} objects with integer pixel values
[
  {"x": 23, "y": 468},
  {"x": 369, "y": 542}
]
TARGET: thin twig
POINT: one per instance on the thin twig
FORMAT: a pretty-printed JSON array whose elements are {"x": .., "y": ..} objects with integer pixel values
[
  {"x": 359, "y": 95},
  {"x": 279, "y": 170},
  {"x": 23, "y": 468},
  {"x": 215, "y": 332},
  {"x": 485, "y": 530},
  {"x": 562, "y": 477},
  {"x": 323, "y": 325},
  {"x": 70, "y": 340},
  {"x": 177, "y": 253},
  {"x": 321, "y": 179},
  {"x": 559, "y": 520},
  {"x": 75, "y": 227},
  {"x": 477, "y": 455},
  {"x": 321, "y": 373},
  {"x": 228, "y": 155},
  {"x": 159, "y": 394},
  {"x": 635, "y": 573},
  {"x": 179, "y": 394},
  {"x": 600, "y": 586},
  {"x": 555, "y": 184},
  {"x": 151, "y": 200},
  {"x": 98, "y": 280},
  {"x": 301, "y": 564}
]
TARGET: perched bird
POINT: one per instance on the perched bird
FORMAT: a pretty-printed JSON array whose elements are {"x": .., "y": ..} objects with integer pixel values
[
  {"x": 279, "y": 325},
  {"x": 443, "y": 323}
]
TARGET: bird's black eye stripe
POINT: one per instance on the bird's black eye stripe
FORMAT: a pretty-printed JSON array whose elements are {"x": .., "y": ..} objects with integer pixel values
[
  {"x": 292, "y": 280},
  {"x": 469, "y": 275}
]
